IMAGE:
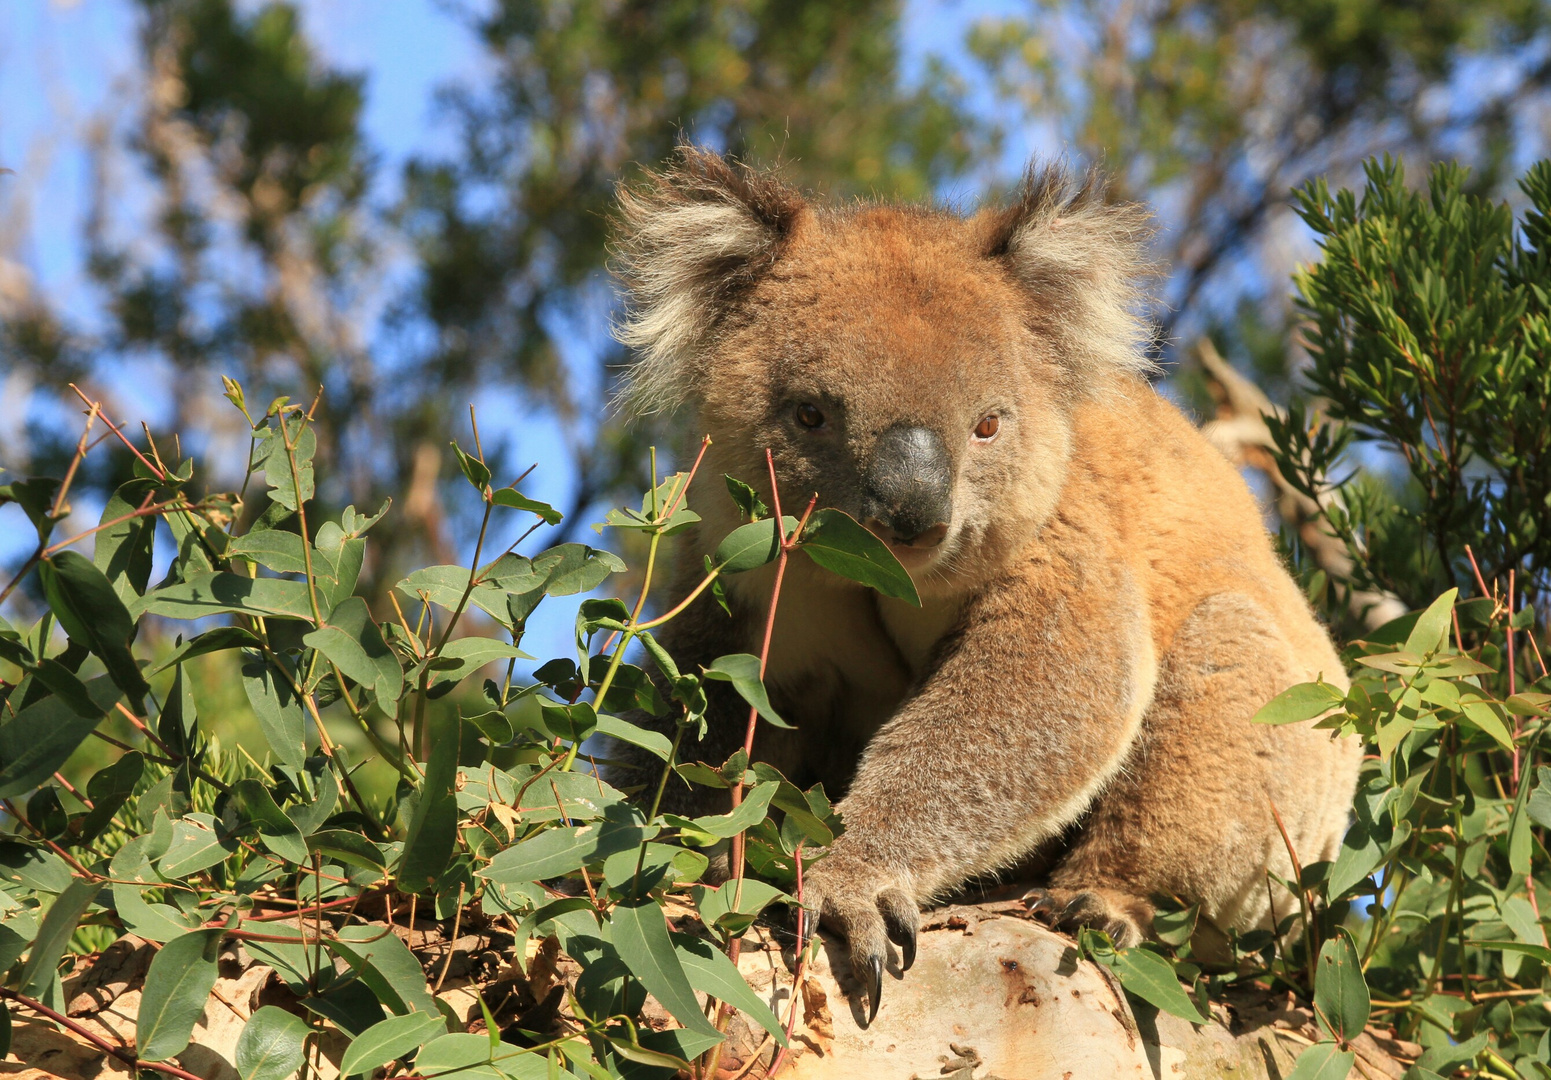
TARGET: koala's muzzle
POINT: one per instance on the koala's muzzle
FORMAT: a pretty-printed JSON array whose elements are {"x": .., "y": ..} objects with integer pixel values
[{"x": 908, "y": 489}]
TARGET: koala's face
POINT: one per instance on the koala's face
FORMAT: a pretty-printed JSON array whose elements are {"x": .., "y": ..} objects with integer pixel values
[
  {"x": 890, "y": 367},
  {"x": 914, "y": 368}
]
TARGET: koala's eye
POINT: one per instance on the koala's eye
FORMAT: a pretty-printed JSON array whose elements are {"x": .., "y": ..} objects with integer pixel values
[
  {"x": 809, "y": 416},
  {"x": 985, "y": 431}
]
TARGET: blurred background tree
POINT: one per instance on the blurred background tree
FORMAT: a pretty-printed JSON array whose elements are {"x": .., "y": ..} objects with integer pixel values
[{"x": 232, "y": 226}]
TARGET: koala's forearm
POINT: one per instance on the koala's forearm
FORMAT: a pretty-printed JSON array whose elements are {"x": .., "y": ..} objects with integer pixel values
[{"x": 1003, "y": 745}]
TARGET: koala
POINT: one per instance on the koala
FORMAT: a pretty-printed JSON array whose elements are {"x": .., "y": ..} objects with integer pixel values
[{"x": 1102, "y": 609}]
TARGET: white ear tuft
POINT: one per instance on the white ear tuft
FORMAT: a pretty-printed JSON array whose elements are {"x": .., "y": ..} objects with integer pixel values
[
  {"x": 692, "y": 238},
  {"x": 1084, "y": 262}
]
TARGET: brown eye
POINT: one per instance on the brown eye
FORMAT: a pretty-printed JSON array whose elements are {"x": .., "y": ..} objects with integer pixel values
[
  {"x": 809, "y": 416},
  {"x": 986, "y": 429}
]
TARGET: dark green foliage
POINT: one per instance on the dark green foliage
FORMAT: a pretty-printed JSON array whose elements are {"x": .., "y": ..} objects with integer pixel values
[
  {"x": 492, "y": 817},
  {"x": 1429, "y": 331},
  {"x": 1427, "y": 328}
]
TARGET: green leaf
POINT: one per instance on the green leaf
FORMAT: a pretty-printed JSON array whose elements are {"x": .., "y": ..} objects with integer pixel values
[
  {"x": 716, "y": 905},
  {"x": 1539, "y": 805},
  {"x": 177, "y": 987},
  {"x": 309, "y": 817},
  {"x": 750, "y": 546},
  {"x": 1176, "y": 927},
  {"x": 289, "y": 489},
  {"x": 155, "y": 922},
  {"x": 460, "y": 1054},
  {"x": 109, "y": 789},
  {"x": 1151, "y": 978},
  {"x": 654, "y": 742},
  {"x": 492, "y": 724},
  {"x": 389, "y": 1039},
  {"x": 561, "y": 850},
  {"x": 122, "y": 551},
  {"x": 1359, "y": 856},
  {"x": 1539, "y": 952},
  {"x": 1340, "y": 992},
  {"x": 750, "y": 812},
  {"x": 1521, "y": 845},
  {"x": 387, "y": 967},
  {"x": 347, "y": 847},
  {"x": 462, "y": 657},
  {"x": 271, "y": 1045},
  {"x": 351, "y": 640},
  {"x": 279, "y": 832},
  {"x": 1322, "y": 1061},
  {"x": 348, "y": 1002},
  {"x": 433, "y": 831},
  {"x": 216, "y": 640},
  {"x": 281, "y": 551},
  {"x": 1431, "y": 632},
  {"x": 640, "y": 935},
  {"x": 339, "y": 569},
  {"x": 226, "y": 593},
  {"x": 837, "y": 542},
  {"x": 1297, "y": 703},
  {"x": 710, "y": 972},
  {"x": 84, "y": 602},
  {"x": 54, "y": 934},
  {"x": 275, "y": 704},
  {"x": 748, "y": 500},
  {"x": 575, "y": 568},
  {"x": 195, "y": 846},
  {"x": 1484, "y": 716},
  {"x": 518, "y": 501},
  {"x": 40, "y": 738},
  {"x": 444, "y": 586},
  {"x": 742, "y": 670},
  {"x": 476, "y": 471},
  {"x": 642, "y": 1055}
]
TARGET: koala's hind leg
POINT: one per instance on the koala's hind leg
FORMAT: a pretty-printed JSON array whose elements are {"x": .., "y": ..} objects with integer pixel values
[{"x": 1189, "y": 814}]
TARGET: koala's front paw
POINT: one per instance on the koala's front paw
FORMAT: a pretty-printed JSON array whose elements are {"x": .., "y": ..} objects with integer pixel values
[
  {"x": 1126, "y": 919},
  {"x": 867, "y": 907}
]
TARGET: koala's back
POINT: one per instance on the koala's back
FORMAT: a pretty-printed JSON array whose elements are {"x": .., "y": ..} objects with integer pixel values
[{"x": 1182, "y": 517}]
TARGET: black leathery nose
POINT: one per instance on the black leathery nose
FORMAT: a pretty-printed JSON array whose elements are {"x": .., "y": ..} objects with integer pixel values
[{"x": 909, "y": 483}]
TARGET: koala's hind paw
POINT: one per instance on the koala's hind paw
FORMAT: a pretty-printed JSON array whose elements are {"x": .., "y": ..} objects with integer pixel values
[
  {"x": 867, "y": 908},
  {"x": 1125, "y": 918}
]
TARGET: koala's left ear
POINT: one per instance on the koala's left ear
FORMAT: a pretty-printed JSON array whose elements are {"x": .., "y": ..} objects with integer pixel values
[
  {"x": 1083, "y": 261},
  {"x": 691, "y": 239}
]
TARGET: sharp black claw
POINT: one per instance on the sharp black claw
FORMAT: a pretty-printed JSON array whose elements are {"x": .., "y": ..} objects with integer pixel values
[
  {"x": 875, "y": 990},
  {"x": 909, "y": 948}
]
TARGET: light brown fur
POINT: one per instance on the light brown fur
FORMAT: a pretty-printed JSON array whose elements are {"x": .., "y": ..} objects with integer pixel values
[{"x": 1105, "y": 613}]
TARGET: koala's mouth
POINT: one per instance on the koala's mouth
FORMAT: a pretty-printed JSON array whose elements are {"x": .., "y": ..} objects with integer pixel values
[{"x": 913, "y": 551}]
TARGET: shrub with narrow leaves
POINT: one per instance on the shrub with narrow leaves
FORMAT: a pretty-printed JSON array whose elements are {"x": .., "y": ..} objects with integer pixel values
[{"x": 492, "y": 821}]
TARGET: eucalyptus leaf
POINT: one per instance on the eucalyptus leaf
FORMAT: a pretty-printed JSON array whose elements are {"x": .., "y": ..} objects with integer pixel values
[
  {"x": 640, "y": 934},
  {"x": 434, "y": 828},
  {"x": 389, "y": 1039},
  {"x": 1151, "y": 978},
  {"x": 1340, "y": 991},
  {"x": 271, "y": 1045},
  {"x": 837, "y": 542},
  {"x": 742, "y": 670},
  {"x": 177, "y": 988}
]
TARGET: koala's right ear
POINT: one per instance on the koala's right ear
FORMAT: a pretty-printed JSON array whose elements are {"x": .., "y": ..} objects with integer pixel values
[{"x": 691, "y": 239}]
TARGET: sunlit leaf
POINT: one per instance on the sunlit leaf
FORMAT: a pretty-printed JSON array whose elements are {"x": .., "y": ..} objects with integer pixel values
[{"x": 837, "y": 542}]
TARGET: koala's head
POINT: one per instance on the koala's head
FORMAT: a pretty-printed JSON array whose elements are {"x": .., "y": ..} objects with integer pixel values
[{"x": 916, "y": 368}]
